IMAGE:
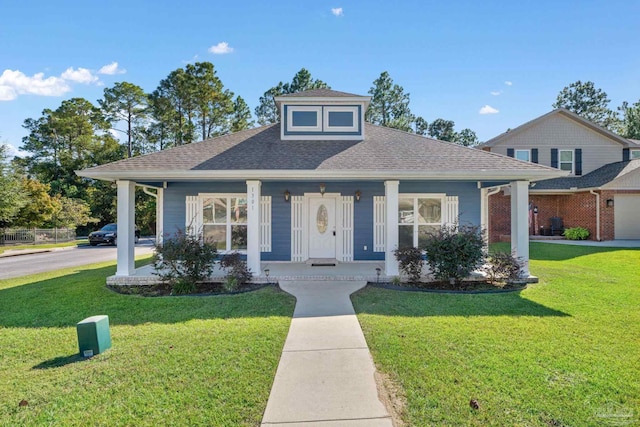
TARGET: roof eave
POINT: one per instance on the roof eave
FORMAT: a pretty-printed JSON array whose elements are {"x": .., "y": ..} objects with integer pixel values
[{"x": 319, "y": 174}]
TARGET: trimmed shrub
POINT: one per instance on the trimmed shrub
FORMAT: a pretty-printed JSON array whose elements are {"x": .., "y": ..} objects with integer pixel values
[
  {"x": 454, "y": 252},
  {"x": 183, "y": 260},
  {"x": 237, "y": 272},
  {"x": 576, "y": 233},
  {"x": 501, "y": 267},
  {"x": 410, "y": 262}
]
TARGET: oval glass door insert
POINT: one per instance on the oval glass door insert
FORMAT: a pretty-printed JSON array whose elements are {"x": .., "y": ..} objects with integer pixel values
[{"x": 322, "y": 219}]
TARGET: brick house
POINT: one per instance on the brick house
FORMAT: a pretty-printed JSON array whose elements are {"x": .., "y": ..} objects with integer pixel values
[{"x": 600, "y": 193}]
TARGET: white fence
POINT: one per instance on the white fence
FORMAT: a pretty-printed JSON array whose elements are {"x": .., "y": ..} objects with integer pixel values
[{"x": 12, "y": 236}]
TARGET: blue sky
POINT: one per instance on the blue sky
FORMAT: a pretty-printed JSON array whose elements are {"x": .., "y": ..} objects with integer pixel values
[{"x": 453, "y": 57}]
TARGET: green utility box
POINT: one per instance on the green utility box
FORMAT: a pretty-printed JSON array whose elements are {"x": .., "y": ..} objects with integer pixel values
[{"x": 93, "y": 335}]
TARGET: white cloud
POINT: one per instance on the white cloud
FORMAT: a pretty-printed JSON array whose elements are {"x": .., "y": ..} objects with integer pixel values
[
  {"x": 14, "y": 151},
  {"x": 337, "y": 11},
  {"x": 221, "y": 48},
  {"x": 495, "y": 92},
  {"x": 111, "y": 69},
  {"x": 7, "y": 93},
  {"x": 81, "y": 75},
  {"x": 508, "y": 83},
  {"x": 488, "y": 109},
  {"x": 14, "y": 83}
]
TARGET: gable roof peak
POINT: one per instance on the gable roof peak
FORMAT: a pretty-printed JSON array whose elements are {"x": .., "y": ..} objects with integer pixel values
[{"x": 565, "y": 113}]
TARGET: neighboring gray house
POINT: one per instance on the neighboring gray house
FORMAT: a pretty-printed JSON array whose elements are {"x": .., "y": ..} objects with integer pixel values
[
  {"x": 321, "y": 185},
  {"x": 602, "y": 190}
]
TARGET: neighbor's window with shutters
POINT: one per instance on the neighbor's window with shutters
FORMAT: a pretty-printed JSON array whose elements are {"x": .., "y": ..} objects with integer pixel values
[
  {"x": 224, "y": 221},
  {"x": 418, "y": 216},
  {"x": 566, "y": 160}
]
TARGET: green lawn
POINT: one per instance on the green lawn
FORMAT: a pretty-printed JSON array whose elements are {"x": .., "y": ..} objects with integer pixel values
[
  {"x": 565, "y": 352},
  {"x": 174, "y": 361},
  {"x": 45, "y": 246}
]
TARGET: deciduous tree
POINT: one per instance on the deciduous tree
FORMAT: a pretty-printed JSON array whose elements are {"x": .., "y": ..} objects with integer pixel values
[
  {"x": 12, "y": 195},
  {"x": 40, "y": 206}
]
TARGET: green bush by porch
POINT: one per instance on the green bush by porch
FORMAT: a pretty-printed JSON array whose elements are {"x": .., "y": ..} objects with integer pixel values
[
  {"x": 563, "y": 352},
  {"x": 174, "y": 361}
]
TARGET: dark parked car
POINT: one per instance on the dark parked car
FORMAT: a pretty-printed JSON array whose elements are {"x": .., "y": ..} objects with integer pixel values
[{"x": 108, "y": 234}]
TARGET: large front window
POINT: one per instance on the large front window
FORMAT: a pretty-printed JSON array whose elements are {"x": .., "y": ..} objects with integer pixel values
[
  {"x": 224, "y": 221},
  {"x": 417, "y": 217}
]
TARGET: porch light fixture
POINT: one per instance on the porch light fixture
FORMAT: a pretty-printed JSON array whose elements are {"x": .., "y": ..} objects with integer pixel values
[
  {"x": 358, "y": 194},
  {"x": 609, "y": 203},
  {"x": 287, "y": 195},
  {"x": 266, "y": 273},
  {"x": 323, "y": 189},
  {"x": 378, "y": 271}
]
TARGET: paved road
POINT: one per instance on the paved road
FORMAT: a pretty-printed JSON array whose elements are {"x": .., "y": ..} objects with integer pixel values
[{"x": 22, "y": 265}]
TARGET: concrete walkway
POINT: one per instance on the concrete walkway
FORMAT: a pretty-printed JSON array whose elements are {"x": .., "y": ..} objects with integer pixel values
[{"x": 326, "y": 375}]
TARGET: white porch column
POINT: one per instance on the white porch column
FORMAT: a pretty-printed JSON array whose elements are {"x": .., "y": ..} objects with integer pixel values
[
  {"x": 159, "y": 215},
  {"x": 520, "y": 223},
  {"x": 253, "y": 226},
  {"x": 391, "y": 190},
  {"x": 126, "y": 228}
]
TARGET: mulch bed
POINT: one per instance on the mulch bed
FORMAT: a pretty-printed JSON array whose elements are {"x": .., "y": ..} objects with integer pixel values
[
  {"x": 202, "y": 289},
  {"x": 465, "y": 287}
]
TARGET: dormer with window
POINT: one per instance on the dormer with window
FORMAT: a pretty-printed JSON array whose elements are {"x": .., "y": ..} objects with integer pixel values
[{"x": 322, "y": 114}]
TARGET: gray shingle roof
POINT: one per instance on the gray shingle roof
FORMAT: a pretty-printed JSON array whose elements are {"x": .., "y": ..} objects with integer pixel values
[
  {"x": 319, "y": 93},
  {"x": 594, "y": 179},
  {"x": 383, "y": 150}
]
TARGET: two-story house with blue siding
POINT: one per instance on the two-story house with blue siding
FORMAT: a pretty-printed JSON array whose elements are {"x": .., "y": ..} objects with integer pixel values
[
  {"x": 601, "y": 193},
  {"x": 321, "y": 185}
]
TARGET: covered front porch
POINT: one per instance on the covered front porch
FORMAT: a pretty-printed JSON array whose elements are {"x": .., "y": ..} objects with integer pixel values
[{"x": 386, "y": 206}]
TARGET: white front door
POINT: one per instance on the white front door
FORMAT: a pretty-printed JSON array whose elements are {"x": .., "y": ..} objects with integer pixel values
[{"x": 322, "y": 227}]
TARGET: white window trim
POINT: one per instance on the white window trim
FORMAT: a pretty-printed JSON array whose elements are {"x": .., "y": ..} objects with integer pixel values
[
  {"x": 228, "y": 224},
  {"x": 634, "y": 154},
  {"x": 573, "y": 160},
  {"x": 415, "y": 197},
  {"x": 523, "y": 151},
  {"x": 332, "y": 109},
  {"x": 294, "y": 108}
]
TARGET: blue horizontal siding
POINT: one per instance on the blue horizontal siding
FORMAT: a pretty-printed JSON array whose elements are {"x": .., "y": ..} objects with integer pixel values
[
  {"x": 175, "y": 199},
  {"x": 175, "y": 194},
  {"x": 468, "y": 196}
]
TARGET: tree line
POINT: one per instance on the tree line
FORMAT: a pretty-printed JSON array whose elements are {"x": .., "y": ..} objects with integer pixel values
[{"x": 190, "y": 104}]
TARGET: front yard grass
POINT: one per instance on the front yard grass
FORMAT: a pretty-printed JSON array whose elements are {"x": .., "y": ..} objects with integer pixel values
[
  {"x": 564, "y": 352},
  {"x": 174, "y": 361}
]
